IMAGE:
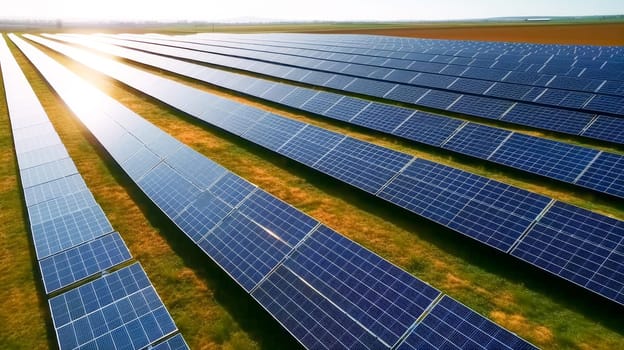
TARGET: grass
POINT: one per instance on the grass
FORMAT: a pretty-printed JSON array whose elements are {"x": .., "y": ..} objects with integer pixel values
[{"x": 538, "y": 307}]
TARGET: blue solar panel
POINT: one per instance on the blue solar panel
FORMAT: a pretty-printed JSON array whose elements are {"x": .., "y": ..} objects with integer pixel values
[
  {"x": 428, "y": 128},
  {"x": 120, "y": 310},
  {"x": 317, "y": 78},
  {"x": 382, "y": 117},
  {"x": 276, "y": 216},
  {"x": 574, "y": 83},
  {"x": 612, "y": 87},
  {"x": 61, "y": 270},
  {"x": 605, "y": 175},
  {"x": 241, "y": 118},
  {"x": 246, "y": 250},
  {"x": 124, "y": 147},
  {"x": 490, "y": 212},
  {"x": 484, "y": 73},
  {"x": 377, "y": 294},
  {"x": 340, "y": 82},
  {"x": 140, "y": 163},
  {"x": 67, "y": 231},
  {"x": 479, "y": 106},
  {"x": 201, "y": 171},
  {"x": 548, "y": 118},
  {"x": 176, "y": 342},
  {"x": 401, "y": 76},
  {"x": 362, "y": 164},
  {"x": 308, "y": 316},
  {"x": 202, "y": 215},
  {"x": 53, "y": 189},
  {"x": 508, "y": 91},
  {"x": 309, "y": 145},
  {"x": 477, "y": 140},
  {"x": 580, "y": 246},
  {"x": 29, "y": 144},
  {"x": 451, "y": 325},
  {"x": 606, "y": 104},
  {"x": 433, "y": 80},
  {"x": 60, "y": 206},
  {"x": 321, "y": 102},
  {"x": 369, "y": 87},
  {"x": 168, "y": 190},
  {"x": 553, "y": 159},
  {"x": 406, "y": 93},
  {"x": 277, "y": 92},
  {"x": 346, "y": 108},
  {"x": 273, "y": 131},
  {"x": 232, "y": 189},
  {"x": 41, "y": 156},
  {"x": 570, "y": 99},
  {"x": 298, "y": 97},
  {"x": 473, "y": 86},
  {"x": 607, "y": 129},
  {"x": 47, "y": 172},
  {"x": 438, "y": 99}
]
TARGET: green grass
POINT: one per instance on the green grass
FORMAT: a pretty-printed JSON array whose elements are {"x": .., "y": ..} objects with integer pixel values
[{"x": 212, "y": 312}]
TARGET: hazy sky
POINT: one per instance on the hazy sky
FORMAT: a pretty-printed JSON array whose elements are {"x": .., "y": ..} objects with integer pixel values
[{"x": 304, "y": 10}]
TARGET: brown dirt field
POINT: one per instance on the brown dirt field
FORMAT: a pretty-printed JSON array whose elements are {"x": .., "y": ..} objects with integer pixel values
[{"x": 577, "y": 34}]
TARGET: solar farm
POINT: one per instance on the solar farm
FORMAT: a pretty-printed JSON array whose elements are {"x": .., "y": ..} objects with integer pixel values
[{"x": 318, "y": 191}]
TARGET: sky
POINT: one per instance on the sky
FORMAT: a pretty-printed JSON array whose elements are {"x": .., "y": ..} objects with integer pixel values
[{"x": 330, "y": 10}]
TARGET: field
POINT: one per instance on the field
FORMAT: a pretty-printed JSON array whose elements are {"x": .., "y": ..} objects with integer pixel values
[{"x": 211, "y": 311}]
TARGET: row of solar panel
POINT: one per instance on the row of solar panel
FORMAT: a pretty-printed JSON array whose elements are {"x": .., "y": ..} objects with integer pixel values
[
  {"x": 475, "y": 77},
  {"x": 493, "y": 213},
  {"x": 582, "y": 166},
  {"x": 604, "y": 128},
  {"x": 325, "y": 289},
  {"x": 587, "y": 54},
  {"x": 74, "y": 240},
  {"x": 607, "y": 67}
]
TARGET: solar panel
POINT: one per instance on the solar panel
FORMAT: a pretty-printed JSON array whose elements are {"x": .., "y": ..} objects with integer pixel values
[
  {"x": 241, "y": 119},
  {"x": 581, "y": 246},
  {"x": 369, "y": 87},
  {"x": 53, "y": 189},
  {"x": 605, "y": 175},
  {"x": 428, "y": 128},
  {"x": 273, "y": 131},
  {"x": 309, "y": 145},
  {"x": 321, "y": 102},
  {"x": 140, "y": 163},
  {"x": 60, "y": 206},
  {"x": 168, "y": 189},
  {"x": 120, "y": 310},
  {"x": 606, "y": 128},
  {"x": 479, "y": 106},
  {"x": 176, "y": 342},
  {"x": 341, "y": 82},
  {"x": 406, "y": 93},
  {"x": 246, "y": 250},
  {"x": 570, "y": 99},
  {"x": 36, "y": 142},
  {"x": 47, "y": 172},
  {"x": 362, "y": 164},
  {"x": 41, "y": 156},
  {"x": 508, "y": 91},
  {"x": 298, "y": 97},
  {"x": 477, "y": 140},
  {"x": 548, "y": 118},
  {"x": 549, "y": 158},
  {"x": 438, "y": 99},
  {"x": 65, "y": 268},
  {"x": 473, "y": 86},
  {"x": 202, "y": 215},
  {"x": 433, "y": 80},
  {"x": 490, "y": 212},
  {"x": 308, "y": 316},
  {"x": 201, "y": 171},
  {"x": 378, "y": 295},
  {"x": 124, "y": 147},
  {"x": 451, "y": 325},
  {"x": 346, "y": 108},
  {"x": 382, "y": 117},
  {"x": 606, "y": 104}
]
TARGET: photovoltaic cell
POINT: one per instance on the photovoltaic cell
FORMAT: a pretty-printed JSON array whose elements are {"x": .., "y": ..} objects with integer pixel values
[
  {"x": 309, "y": 145},
  {"x": 202, "y": 215},
  {"x": 362, "y": 164},
  {"x": 479, "y": 106},
  {"x": 201, "y": 171},
  {"x": 47, "y": 172},
  {"x": 606, "y": 128},
  {"x": 346, "y": 108},
  {"x": 273, "y": 131},
  {"x": 382, "y": 117},
  {"x": 477, "y": 140},
  {"x": 451, "y": 325},
  {"x": 140, "y": 163},
  {"x": 168, "y": 189},
  {"x": 553, "y": 159},
  {"x": 246, "y": 250},
  {"x": 308, "y": 316},
  {"x": 428, "y": 128},
  {"x": 605, "y": 175},
  {"x": 232, "y": 189},
  {"x": 120, "y": 310},
  {"x": 176, "y": 342},
  {"x": 321, "y": 102},
  {"x": 606, "y": 104},
  {"x": 490, "y": 212},
  {"x": 548, "y": 118},
  {"x": 60, "y": 206},
  {"x": 377, "y": 294},
  {"x": 41, "y": 156},
  {"x": 406, "y": 93},
  {"x": 61, "y": 270},
  {"x": 438, "y": 99},
  {"x": 581, "y": 246},
  {"x": 67, "y": 231},
  {"x": 53, "y": 189}
]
